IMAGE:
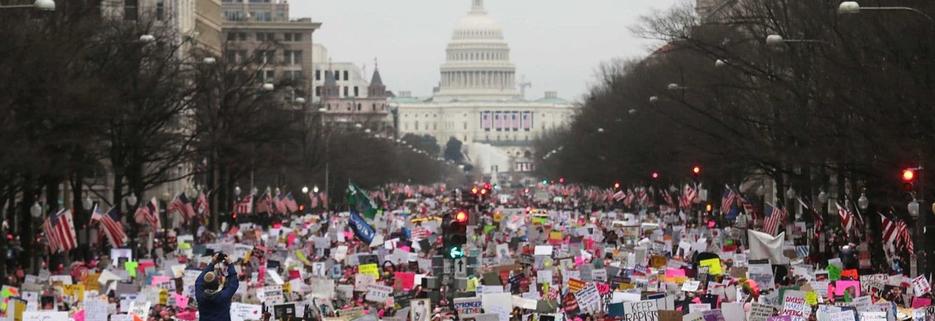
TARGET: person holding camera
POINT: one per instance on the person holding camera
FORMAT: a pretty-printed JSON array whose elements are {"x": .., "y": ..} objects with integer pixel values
[{"x": 214, "y": 300}]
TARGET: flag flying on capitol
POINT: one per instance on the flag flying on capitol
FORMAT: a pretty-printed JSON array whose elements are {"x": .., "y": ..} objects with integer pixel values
[{"x": 358, "y": 200}]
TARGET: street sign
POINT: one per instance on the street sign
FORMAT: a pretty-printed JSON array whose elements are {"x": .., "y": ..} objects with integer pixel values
[{"x": 460, "y": 266}]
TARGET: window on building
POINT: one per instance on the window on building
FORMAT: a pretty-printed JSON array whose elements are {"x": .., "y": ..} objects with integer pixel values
[
  {"x": 465, "y": 125},
  {"x": 242, "y": 36},
  {"x": 318, "y": 75},
  {"x": 293, "y": 57},
  {"x": 356, "y": 91},
  {"x": 270, "y": 76},
  {"x": 317, "y": 91},
  {"x": 349, "y": 107},
  {"x": 417, "y": 125},
  {"x": 328, "y": 107},
  {"x": 287, "y": 37},
  {"x": 434, "y": 126},
  {"x": 297, "y": 37},
  {"x": 359, "y": 107},
  {"x": 131, "y": 9},
  {"x": 345, "y": 76},
  {"x": 232, "y": 36},
  {"x": 160, "y": 10},
  {"x": 374, "y": 106},
  {"x": 345, "y": 91}
]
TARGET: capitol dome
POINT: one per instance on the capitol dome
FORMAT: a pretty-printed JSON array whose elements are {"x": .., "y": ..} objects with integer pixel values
[{"x": 478, "y": 63}]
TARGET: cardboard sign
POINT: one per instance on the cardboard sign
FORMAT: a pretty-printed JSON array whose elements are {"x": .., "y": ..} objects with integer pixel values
[
  {"x": 920, "y": 286},
  {"x": 760, "y": 312}
]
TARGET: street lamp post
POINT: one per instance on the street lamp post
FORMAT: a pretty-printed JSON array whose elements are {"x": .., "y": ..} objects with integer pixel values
[
  {"x": 777, "y": 40},
  {"x": 853, "y": 7}
]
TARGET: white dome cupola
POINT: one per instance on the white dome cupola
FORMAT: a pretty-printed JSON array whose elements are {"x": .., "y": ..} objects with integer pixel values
[{"x": 478, "y": 63}]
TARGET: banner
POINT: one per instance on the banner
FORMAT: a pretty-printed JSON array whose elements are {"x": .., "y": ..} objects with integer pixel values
[{"x": 765, "y": 246}]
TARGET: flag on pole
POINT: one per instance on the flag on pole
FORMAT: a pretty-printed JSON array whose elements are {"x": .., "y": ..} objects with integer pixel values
[
  {"x": 668, "y": 198},
  {"x": 244, "y": 206},
  {"x": 619, "y": 195},
  {"x": 111, "y": 228},
  {"x": 149, "y": 213},
  {"x": 313, "y": 200},
  {"x": 890, "y": 229},
  {"x": 776, "y": 217},
  {"x": 689, "y": 194},
  {"x": 728, "y": 201},
  {"x": 358, "y": 200},
  {"x": 201, "y": 204},
  {"x": 50, "y": 235},
  {"x": 279, "y": 206},
  {"x": 290, "y": 203},
  {"x": 182, "y": 205},
  {"x": 847, "y": 218},
  {"x": 60, "y": 231},
  {"x": 264, "y": 204}
]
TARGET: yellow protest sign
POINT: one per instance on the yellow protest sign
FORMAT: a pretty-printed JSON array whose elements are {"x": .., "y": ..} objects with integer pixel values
[
  {"x": 74, "y": 290},
  {"x": 164, "y": 297},
  {"x": 286, "y": 288},
  {"x": 369, "y": 269},
  {"x": 301, "y": 256},
  {"x": 472, "y": 284},
  {"x": 90, "y": 282},
  {"x": 713, "y": 265},
  {"x": 497, "y": 216},
  {"x": 811, "y": 297}
]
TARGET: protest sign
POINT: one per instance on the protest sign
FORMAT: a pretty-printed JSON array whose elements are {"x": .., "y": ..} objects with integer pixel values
[
  {"x": 760, "y": 312},
  {"x": 641, "y": 311},
  {"x": 920, "y": 286},
  {"x": 794, "y": 305},
  {"x": 466, "y": 306},
  {"x": 378, "y": 293},
  {"x": 245, "y": 312},
  {"x": 45, "y": 316}
]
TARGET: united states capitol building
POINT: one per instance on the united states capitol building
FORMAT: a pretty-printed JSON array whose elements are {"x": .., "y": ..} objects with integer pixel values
[{"x": 477, "y": 102}]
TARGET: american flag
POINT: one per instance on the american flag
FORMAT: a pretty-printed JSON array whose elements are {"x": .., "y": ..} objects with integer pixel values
[
  {"x": 291, "y": 204},
  {"x": 60, "y": 231},
  {"x": 264, "y": 204},
  {"x": 183, "y": 205},
  {"x": 776, "y": 217},
  {"x": 201, "y": 204},
  {"x": 244, "y": 206},
  {"x": 324, "y": 200},
  {"x": 149, "y": 213},
  {"x": 644, "y": 197},
  {"x": 279, "y": 204},
  {"x": 689, "y": 194},
  {"x": 313, "y": 200},
  {"x": 619, "y": 195},
  {"x": 903, "y": 238},
  {"x": 420, "y": 233},
  {"x": 527, "y": 120},
  {"x": 666, "y": 197},
  {"x": 728, "y": 201},
  {"x": 110, "y": 227},
  {"x": 890, "y": 229},
  {"x": 516, "y": 121},
  {"x": 847, "y": 218},
  {"x": 485, "y": 121},
  {"x": 631, "y": 197}
]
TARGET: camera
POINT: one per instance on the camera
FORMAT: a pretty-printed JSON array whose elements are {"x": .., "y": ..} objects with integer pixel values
[{"x": 221, "y": 256}]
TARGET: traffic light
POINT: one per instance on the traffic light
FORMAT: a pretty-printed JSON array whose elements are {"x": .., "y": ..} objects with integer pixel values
[
  {"x": 696, "y": 171},
  {"x": 654, "y": 175},
  {"x": 909, "y": 177},
  {"x": 454, "y": 227},
  {"x": 616, "y": 185}
]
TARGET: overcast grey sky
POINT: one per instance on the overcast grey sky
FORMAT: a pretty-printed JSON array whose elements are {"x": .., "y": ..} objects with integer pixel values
[{"x": 556, "y": 44}]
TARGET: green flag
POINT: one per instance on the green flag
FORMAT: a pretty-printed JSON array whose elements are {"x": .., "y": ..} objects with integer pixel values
[{"x": 357, "y": 199}]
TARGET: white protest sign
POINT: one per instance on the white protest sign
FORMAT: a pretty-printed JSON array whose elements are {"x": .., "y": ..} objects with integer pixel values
[
  {"x": 95, "y": 310},
  {"x": 500, "y": 304},
  {"x": 641, "y": 311},
  {"x": 378, "y": 293},
  {"x": 793, "y": 304},
  {"x": 846, "y": 315},
  {"x": 245, "y": 312},
  {"x": 698, "y": 307},
  {"x": 45, "y": 316},
  {"x": 691, "y": 285},
  {"x": 140, "y": 309},
  {"x": 920, "y": 286},
  {"x": 760, "y": 312}
]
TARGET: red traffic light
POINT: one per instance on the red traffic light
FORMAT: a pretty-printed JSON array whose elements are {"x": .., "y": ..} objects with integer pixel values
[
  {"x": 461, "y": 217},
  {"x": 487, "y": 186},
  {"x": 909, "y": 175},
  {"x": 561, "y": 180},
  {"x": 696, "y": 170},
  {"x": 616, "y": 185},
  {"x": 655, "y": 175}
]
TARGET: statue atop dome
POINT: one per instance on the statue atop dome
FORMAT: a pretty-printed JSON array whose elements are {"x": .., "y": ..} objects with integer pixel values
[{"x": 478, "y": 7}]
